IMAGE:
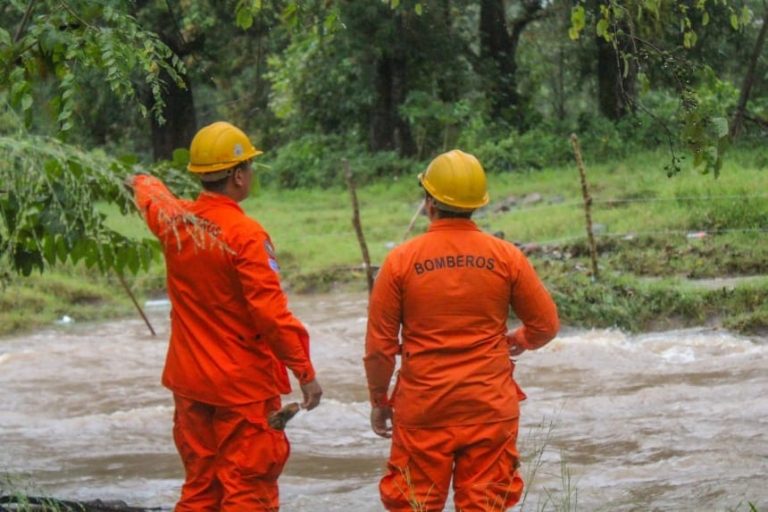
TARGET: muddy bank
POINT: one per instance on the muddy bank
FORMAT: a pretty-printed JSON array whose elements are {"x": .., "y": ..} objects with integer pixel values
[{"x": 39, "y": 504}]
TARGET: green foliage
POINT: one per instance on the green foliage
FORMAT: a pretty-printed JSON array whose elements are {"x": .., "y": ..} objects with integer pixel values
[
  {"x": 316, "y": 161},
  {"x": 534, "y": 149},
  {"x": 62, "y": 41},
  {"x": 294, "y": 14},
  {"x": 316, "y": 87},
  {"x": 49, "y": 205},
  {"x": 40, "y": 300},
  {"x": 435, "y": 123},
  {"x": 48, "y": 211},
  {"x": 619, "y": 301},
  {"x": 704, "y": 118},
  {"x": 686, "y": 18},
  {"x": 635, "y": 29},
  {"x": 632, "y": 304},
  {"x": 745, "y": 212},
  {"x": 50, "y": 189}
]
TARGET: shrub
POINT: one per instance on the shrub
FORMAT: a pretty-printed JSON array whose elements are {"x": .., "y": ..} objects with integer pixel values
[{"x": 316, "y": 161}]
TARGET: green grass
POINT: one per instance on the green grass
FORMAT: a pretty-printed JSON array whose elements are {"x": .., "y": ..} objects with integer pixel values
[
  {"x": 642, "y": 220},
  {"x": 312, "y": 229},
  {"x": 40, "y": 300}
]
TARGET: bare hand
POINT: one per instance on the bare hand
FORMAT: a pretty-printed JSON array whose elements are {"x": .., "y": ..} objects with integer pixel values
[
  {"x": 381, "y": 421},
  {"x": 312, "y": 393},
  {"x": 128, "y": 182},
  {"x": 512, "y": 346}
]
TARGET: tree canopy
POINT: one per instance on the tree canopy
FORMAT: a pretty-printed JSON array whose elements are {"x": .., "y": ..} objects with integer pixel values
[{"x": 89, "y": 90}]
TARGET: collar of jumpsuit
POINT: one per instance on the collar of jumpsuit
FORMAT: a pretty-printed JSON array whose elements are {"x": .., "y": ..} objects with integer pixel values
[{"x": 453, "y": 224}]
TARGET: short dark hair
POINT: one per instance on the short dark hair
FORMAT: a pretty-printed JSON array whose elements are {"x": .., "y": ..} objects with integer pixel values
[
  {"x": 215, "y": 186},
  {"x": 445, "y": 214},
  {"x": 448, "y": 214},
  {"x": 218, "y": 186}
]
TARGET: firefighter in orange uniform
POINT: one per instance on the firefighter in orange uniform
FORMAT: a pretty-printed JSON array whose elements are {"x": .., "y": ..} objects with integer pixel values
[
  {"x": 232, "y": 335},
  {"x": 442, "y": 301}
]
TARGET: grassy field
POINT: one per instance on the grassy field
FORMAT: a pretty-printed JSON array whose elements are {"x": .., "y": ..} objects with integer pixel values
[{"x": 655, "y": 235}]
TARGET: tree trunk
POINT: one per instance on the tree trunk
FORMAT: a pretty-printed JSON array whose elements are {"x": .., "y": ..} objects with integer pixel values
[
  {"x": 498, "y": 48},
  {"x": 382, "y": 125},
  {"x": 749, "y": 79},
  {"x": 180, "y": 120},
  {"x": 179, "y": 112},
  {"x": 497, "y": 52},
  {"x": 559, "y": 84},
  {"x": 615, "y": 89},
  {"x": 388, "y": 130}
]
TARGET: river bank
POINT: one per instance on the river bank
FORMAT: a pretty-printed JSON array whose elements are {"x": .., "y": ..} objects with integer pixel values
[
  {"x": 658, "y": 239},
  {"x": 689, "y": 293}
]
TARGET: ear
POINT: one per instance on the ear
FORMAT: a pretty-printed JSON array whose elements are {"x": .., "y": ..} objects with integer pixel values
[
  {"x": 429, "y": 206},
  {"x": 238, "y": 177}
]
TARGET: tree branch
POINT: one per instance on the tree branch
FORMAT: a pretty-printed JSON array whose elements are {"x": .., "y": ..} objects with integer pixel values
[
  {"x": 749, "y": 77},
  {"x": 762, "y": 123},
  {"x": 24, "y": 21}
]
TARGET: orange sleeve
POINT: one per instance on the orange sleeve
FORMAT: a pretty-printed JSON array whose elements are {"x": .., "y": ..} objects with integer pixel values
[
  {"x": 268, "y": 307},
  {"x": 534, "y": 307},
  {"x": 156, "y": 203},
  {"x": 382, "y": 341}
]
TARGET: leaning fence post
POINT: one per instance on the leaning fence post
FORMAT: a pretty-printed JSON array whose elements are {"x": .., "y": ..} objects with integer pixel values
[
  {"x": 135, "y": 302},
  {"x": 358, "y": 226},
  {"x": 587, "y": 203}
]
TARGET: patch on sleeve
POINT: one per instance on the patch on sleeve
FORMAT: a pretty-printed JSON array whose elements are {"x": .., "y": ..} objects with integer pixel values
[
  {"x": 273, "y": 265},
  {"x": 270, "y": 250}
]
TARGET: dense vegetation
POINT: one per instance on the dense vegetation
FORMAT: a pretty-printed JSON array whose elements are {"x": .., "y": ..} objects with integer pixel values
[{"x": 89, "y": 91}]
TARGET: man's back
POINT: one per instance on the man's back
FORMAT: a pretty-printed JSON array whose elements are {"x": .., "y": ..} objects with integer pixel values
[{"x": 455, "y": 286}]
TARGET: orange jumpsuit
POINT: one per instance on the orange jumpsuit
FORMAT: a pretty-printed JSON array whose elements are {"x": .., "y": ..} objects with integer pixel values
[
  {"x": 455, "y": 402},
  {"x": 232, "y": 337}
]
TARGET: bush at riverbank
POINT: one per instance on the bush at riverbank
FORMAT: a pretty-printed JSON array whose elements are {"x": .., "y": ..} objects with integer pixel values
[{"x": 657, "y": 238}]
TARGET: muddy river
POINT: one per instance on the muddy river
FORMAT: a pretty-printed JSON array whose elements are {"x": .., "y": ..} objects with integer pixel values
[{"x": 670, "y": 421}]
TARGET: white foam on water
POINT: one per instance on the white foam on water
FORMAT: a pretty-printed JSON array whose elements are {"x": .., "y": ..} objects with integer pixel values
[
  {"x": 136, "y": 492},
  {"x": 673, "y": 347},
  {"x": 637, "y": 417},
  {"x": 314, "y": 495},
  {"x": 142, "y": 419},
  {"x": 679, "y": 355},
  {"x": 335, "y": 429},
  {"x": 158, "y": 304}
]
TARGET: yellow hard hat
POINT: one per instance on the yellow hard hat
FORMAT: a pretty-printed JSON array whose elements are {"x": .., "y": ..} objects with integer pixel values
[
  {"x": 219, "y": 146},
  {"x": 457, "y": 180}
]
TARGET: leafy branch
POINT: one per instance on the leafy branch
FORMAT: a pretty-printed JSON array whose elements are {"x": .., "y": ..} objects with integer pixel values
[
  {"x": 65, "y": 40},
  {"x": 50, "y": 206},
  {"x": 703, "y": 129}
]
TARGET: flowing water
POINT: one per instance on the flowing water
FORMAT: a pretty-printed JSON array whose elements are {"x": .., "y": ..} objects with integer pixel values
[{"x": 667, "y": 421}]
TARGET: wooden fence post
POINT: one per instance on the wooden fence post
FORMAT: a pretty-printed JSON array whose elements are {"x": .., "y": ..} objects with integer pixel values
[
  {"x": 587, "y": 204},
  {"x": 357, "y": 225},
  {"x": 135, "y": 303}
]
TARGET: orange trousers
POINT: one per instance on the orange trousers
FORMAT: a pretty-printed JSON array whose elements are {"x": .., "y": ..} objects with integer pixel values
[
  {"x": 481, "y": 459},
  {"x": 232, "y": 458}
]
